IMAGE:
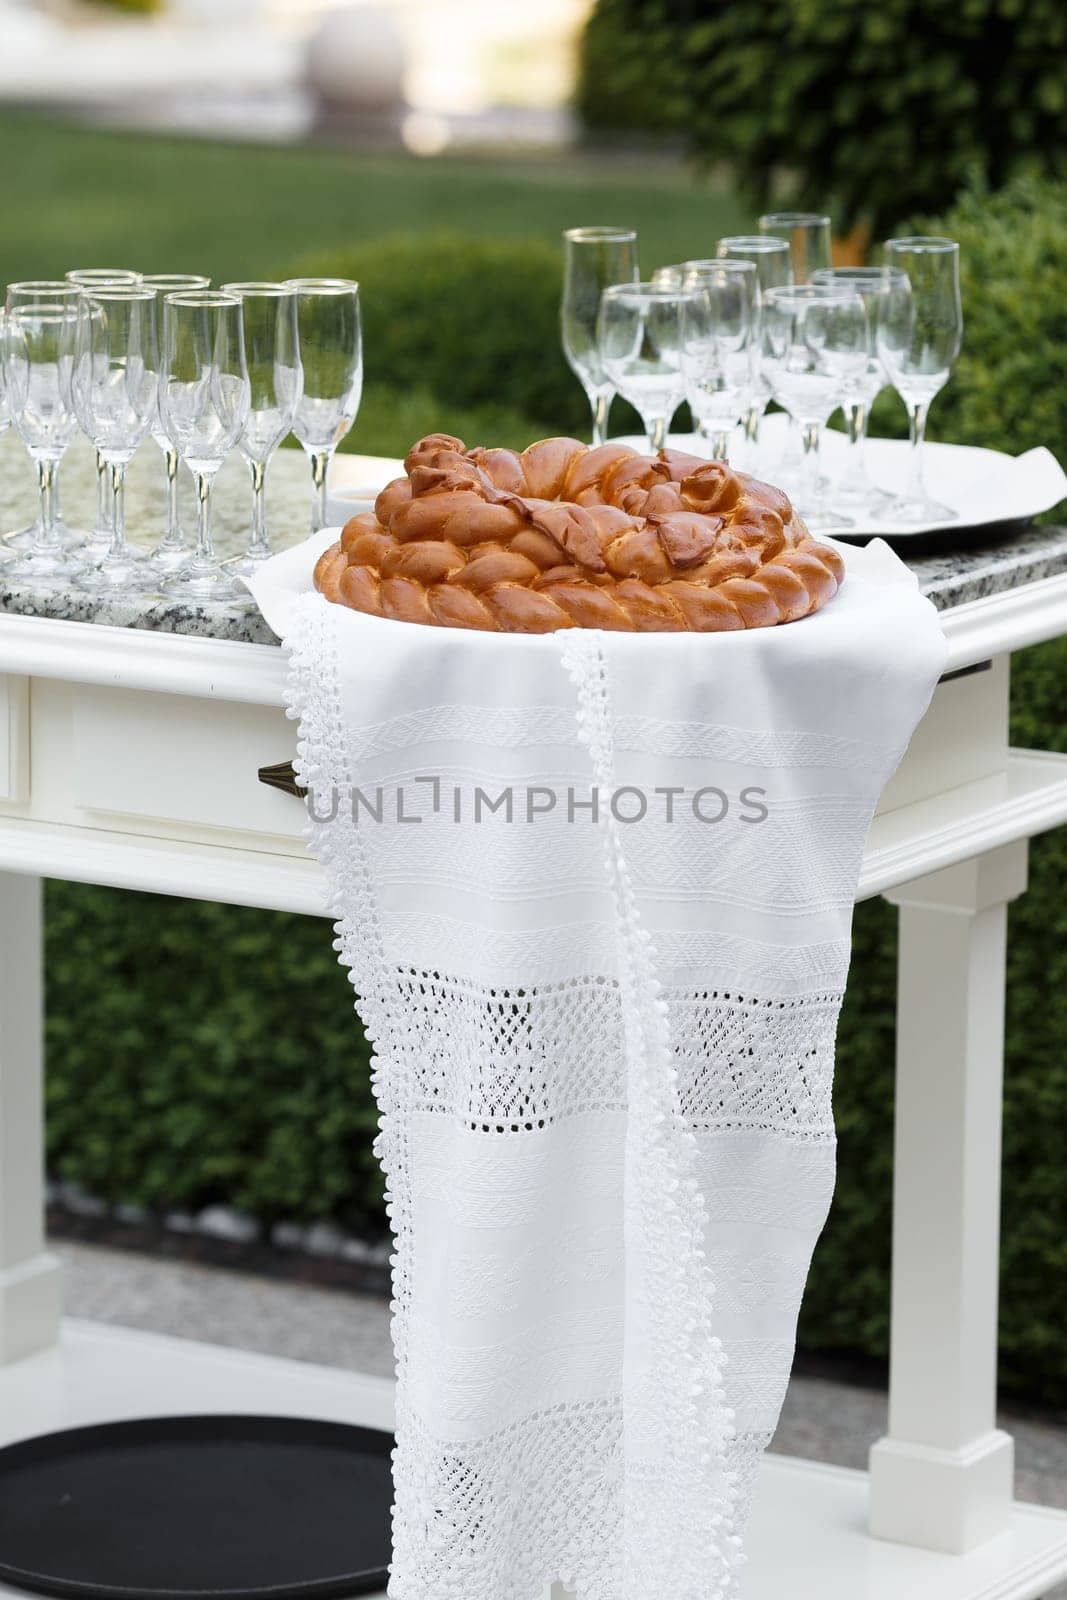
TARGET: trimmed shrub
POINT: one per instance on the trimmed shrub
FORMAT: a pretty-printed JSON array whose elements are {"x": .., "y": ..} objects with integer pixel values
[
  {"x": 470, "y": 322},
  {"x": 201, "y": 1053},
  {"x": 877, "y": 110},
  {"x": 390, "y": 420}
]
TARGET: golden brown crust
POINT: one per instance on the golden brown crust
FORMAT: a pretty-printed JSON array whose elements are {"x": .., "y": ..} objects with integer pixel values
[{"x": 562, "y": 536}]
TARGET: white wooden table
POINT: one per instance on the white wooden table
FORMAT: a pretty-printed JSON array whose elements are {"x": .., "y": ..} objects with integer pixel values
[{"x": 130, "y": 757}]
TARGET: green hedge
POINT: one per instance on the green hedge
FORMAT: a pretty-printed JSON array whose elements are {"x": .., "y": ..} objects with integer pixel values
[
  {"x": 878, "y": 110},
  {"x": 472, "y": 323},
  {"x": 200, "y": 1053}
]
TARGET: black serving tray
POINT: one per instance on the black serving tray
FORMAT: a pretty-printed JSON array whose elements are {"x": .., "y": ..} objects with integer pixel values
[
  {"x": 940, "y": 541},
  {"x": 183, "y": 1508}
]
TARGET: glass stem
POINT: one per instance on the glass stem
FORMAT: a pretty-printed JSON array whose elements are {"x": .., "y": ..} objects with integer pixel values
[
  {"x": 720, "y": 444},
  {"x": 657, "y": 433},
  {"x": 172, "y": 539},
  {"x": 103, "y": 495},
  {"x": 257, "y": 545},
  {"x": 857, "y": 414},
  {"x": 917, "y": 413},
  {"x": 204, "y": 552},
  {"x": 751, "y": 423},
  {"x": 600, "y": 401},
  {"x": 320, "y": 461},
  {"x": 117, "y": 544},
  {"x": 810, "y": 435},
  {"x": 48, "y": 537}
]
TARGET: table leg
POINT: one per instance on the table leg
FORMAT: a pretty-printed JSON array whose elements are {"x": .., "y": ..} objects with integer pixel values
[
  {"x": 942, "y": 1477},
  {"x": 29, "y": 1276}
]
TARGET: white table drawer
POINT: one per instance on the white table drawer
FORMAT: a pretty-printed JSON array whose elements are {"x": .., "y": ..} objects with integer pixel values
[
  {"x": 963, "y": 737},
  {"x": 14, "y": 738},
  {"x": 179, "y": 760}
]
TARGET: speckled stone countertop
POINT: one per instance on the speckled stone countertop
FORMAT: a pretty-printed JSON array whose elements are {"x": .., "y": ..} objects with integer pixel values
[{"x": 979, "y": 566}]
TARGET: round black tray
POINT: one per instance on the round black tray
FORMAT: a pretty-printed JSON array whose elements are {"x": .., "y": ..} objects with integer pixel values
[{"x": 180, "y": 1508}]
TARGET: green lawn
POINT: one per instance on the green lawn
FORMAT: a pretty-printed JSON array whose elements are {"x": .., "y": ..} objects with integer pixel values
[{"x": 76, "y": 197}]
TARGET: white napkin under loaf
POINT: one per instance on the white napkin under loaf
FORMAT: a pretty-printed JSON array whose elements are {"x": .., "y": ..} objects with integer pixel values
[{"x": 604, "y": 1048}]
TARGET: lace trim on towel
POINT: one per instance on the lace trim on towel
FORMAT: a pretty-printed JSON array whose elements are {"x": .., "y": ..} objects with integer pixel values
[
  {"x": 679, "y": 1492},
  {"x": 565, "y": 1467},
  {"x": 508, "y": 1060}
]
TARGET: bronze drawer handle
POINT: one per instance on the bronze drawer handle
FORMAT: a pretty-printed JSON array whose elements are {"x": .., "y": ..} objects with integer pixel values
[{"x": 282, "y": 776}]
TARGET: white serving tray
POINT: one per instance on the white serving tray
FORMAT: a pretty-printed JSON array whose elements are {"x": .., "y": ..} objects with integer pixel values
[{"x": 984, "y": 487}]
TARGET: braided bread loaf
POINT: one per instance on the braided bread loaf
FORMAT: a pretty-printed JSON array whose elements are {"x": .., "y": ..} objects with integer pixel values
[{"x": 562, "y": 536}]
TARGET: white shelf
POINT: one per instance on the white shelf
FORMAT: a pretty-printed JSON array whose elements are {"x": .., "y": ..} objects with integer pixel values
[{"x": 807, "y": 1541}]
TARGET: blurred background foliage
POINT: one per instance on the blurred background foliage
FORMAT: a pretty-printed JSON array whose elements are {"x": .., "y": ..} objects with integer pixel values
[
  {"x": 204, "y": 1053},
  {"x": 868, "y": 111}
]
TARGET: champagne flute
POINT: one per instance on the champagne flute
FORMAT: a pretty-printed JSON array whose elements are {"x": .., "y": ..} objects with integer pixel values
[
  {"x": 40, "y": 291},
  {"x": 102, "y": 278},
  {"x": 773, "y": 262},
  {"x": 116, "y": 375},
  {"x": 38, "y": 360},
  {"x": 817, "y": 343},
  {"x": 173, "y": 549},
  {"x": 639, "y": 338},
  {"x": 853, "y": 487},
  {"x": 808, "y": 235},
  {"x": 203, "y": 402},
  {"x": 276, "y": 379},
  {"x": 594, "y": 259},
  {"x": 919, "y": 337},
  {"x": 717, "y": 334},
  {"x": 331, "y": 354}
]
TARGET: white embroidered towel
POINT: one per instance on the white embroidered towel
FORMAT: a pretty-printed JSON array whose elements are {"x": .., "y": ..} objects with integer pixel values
[{"x": 595, "y": 894}]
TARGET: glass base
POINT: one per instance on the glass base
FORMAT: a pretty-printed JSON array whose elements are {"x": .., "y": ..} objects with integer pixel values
[
  {"x": 825, "y": 519},
  {"x": 917, "y": 513},
  {"x": 25, "y": 536},
  {"x": 40, "y": 566},
  {"x": 864, "y": 500},
  {"x": 120, "y": 574},
  {"x": 247, "y": 565},
  {"x": 170, "y": 557},
  {"x": 203, "y": 582}
]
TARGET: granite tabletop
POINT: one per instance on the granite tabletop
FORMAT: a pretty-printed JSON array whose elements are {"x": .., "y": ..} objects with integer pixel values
[{"x": 976, "y": 566}]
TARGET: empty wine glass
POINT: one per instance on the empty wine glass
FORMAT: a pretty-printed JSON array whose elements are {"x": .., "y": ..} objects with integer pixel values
[
  {"x": 808, "y": 236},
  {"x": 919, "y": 335},
  {"x": 639, "y": 336},
  {"x": 331, "y": 353},
  {"x": 173, "y": 549},
  {"x": 594, "y": 259},
  {"x": 817, "y": 343},
  {"x": 102, "y": 278},
  {"x": 853, "y": 486},
  {"x": 272, "y": 352},
  {"x": 717, "y": 333},
  {"x": 203, "y": 403},
  {"x": 38, "y": 359},
  {"x": 773, "y": 262},
  {"x": 116, "y": 376},
  {"x": 42, "y": 291}
]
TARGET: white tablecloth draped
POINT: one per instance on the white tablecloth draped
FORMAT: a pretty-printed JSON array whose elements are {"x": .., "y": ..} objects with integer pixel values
[{"x": 604, "y": 1033}]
